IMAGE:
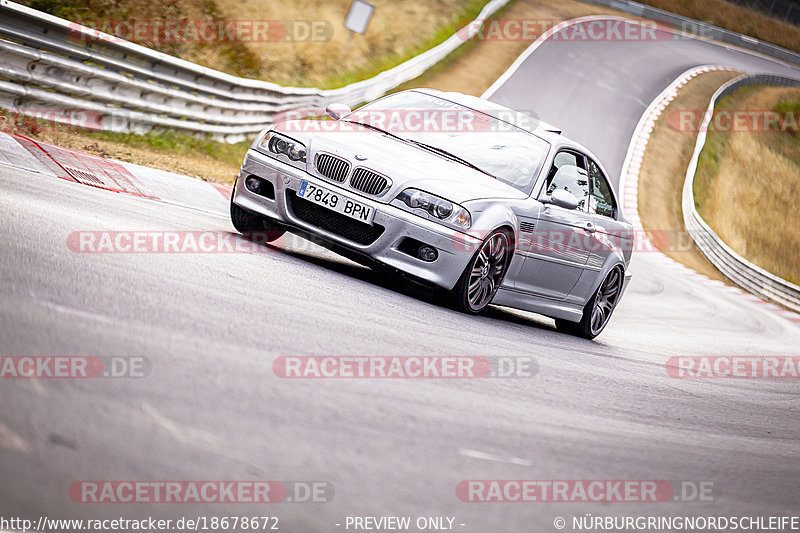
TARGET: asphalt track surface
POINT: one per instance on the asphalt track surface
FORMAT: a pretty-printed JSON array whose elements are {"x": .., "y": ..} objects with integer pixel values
[
  {"x": 596, "y": 91},
  {"x": 212, "y": 324}
]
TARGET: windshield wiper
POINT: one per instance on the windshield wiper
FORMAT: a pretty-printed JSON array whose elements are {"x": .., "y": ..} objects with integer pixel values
[
  {"x": 428, "y": 147},
  {"x": 452, "y": 156},
  {"x": 375, "y": 128}
]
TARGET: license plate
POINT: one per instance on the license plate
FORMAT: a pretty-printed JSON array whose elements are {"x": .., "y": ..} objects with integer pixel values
[{"x": 336, "y": 202}]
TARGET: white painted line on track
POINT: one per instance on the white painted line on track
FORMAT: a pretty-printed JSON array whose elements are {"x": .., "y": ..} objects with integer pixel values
[
  {"x": 486, "y": 456},
  {"x": 14, "y": 154},
  {"x": 180, "y": 190}
]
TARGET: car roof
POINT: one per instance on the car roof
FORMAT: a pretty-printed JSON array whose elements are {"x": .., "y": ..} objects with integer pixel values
[{"x": 524, "y": 121}]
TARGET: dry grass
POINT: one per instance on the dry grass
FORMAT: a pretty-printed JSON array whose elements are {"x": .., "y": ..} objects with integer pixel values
[
  {"x": 749, "y": 185},
  {"x": 663, "y": 172},
  {"x": 399, "y": 30},
  {"x": 735, "y": 18},
  {"x": 233, "y": 57}
]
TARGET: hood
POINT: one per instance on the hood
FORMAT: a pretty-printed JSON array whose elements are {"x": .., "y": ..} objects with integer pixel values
[{"x": 404, "y": 164}]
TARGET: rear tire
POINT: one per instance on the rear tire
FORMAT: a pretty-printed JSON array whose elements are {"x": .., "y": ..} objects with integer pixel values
[
  {"x": 253, "y": 226},
  {"x": 597, "y": 311}
]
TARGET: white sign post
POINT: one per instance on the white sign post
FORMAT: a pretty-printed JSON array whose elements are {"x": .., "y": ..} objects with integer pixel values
[
  {"x": 359, "y": 16},
  {"x": 358, "y": 19}
]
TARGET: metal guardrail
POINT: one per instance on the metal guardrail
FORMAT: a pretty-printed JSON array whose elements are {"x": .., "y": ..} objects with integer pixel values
[
  {"x": 738, "y": 269},
  {"x": 51, "y": 64},
  {"x": 48, "y": 64},
  {"x": 742, "y": 272},
  {"x": 701, "y": 29}
]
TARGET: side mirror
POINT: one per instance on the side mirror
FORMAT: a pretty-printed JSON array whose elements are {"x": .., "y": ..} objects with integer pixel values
[
  {"x": 562, "y": 198},
  {"x": 337, "y": 111}
]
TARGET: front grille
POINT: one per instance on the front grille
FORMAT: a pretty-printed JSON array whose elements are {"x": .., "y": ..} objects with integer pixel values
[
  {"x": 334, "y": 222},
  {"x": 332, "y": 167},
  {"x": 367, "y": 181}
]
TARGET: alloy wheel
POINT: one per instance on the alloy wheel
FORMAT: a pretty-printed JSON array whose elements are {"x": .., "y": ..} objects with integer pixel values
[
  {"x": 605, "y": 300},
  {"x": 488, "y": 270}
]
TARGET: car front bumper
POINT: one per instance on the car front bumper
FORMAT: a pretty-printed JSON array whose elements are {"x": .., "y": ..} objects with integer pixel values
[{"x": 454, "y": 247}]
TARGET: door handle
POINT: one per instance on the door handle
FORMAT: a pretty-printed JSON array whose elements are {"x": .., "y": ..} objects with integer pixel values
[{"x": 589, "y": 226}]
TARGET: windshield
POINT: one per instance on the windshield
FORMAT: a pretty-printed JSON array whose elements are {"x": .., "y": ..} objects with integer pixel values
[{"x": 495, "y": 147}]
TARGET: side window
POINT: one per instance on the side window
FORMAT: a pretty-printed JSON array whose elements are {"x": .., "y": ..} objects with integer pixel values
[
  {"x": 602, "y": 200},
  {"x": 564, "y": 158},
  {"x": 568, "y": 173},
  {"x": 574, "y": 180}
]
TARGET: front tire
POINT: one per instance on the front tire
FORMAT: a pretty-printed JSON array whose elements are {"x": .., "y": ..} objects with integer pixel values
[
  {"x": 254, "y": 226},
  {"x": 597, "y": 311},
  {"x": 484, "y": 273}
]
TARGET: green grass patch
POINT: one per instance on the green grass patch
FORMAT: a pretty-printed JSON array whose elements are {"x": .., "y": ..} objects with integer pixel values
[{"x": 179, "y": 143}]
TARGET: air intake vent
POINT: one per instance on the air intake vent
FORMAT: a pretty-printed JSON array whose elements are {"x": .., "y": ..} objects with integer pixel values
[
  {"x": 332, "y": 167},
  {"x": 369, "y": 182},
  {"x": 527, "y": 227}
]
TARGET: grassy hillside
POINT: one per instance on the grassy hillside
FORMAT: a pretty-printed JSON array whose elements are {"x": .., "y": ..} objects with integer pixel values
[
  {"x": 326, "y": 54},
  {"x": 748, "y": 182},
  {"x": 735, "y": 18}
]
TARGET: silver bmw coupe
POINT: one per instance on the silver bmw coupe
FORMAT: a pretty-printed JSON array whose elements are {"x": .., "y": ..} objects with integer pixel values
[{"x": 485, "y": 202}]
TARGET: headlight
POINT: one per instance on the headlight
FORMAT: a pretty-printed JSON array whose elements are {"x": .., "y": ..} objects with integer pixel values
[
  {"x": 280, "y": 145},
  {"x": 439, "y": 208}
]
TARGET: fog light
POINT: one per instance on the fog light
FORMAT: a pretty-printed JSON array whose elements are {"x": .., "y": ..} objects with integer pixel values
[
  {"x": 427, "y": 253},
  {"x": 252, "y": 183}
]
